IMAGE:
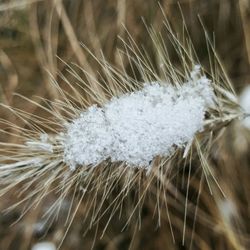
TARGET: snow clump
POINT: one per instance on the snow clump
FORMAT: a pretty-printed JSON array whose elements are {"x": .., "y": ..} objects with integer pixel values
[{"x": 138, "y": 126}]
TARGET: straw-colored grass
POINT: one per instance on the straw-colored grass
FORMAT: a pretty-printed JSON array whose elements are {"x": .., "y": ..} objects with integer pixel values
[{"x": 72, "y": 59}]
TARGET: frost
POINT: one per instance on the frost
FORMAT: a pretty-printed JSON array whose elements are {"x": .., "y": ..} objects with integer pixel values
[
  {"x": 138, "y": 126},
  {"x": 245, "y": 104},
  {"x": 42, "y": 145}
]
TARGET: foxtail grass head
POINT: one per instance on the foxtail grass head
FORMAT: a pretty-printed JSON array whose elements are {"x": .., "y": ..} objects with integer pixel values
[{"x": 122, "y": 136}]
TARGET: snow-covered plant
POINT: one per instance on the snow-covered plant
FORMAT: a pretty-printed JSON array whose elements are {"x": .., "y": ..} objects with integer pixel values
[
  {"x": 135, "y": 128},
  {"x": 121, "y": 137}
]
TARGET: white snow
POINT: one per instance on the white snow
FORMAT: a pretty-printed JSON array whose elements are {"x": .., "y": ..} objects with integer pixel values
[
  {"x": 45, "y": 245},
  {"x": 138, "y": 126},
  {"x": 245, "y": 104},
  {"x": 228, "y": 209}
]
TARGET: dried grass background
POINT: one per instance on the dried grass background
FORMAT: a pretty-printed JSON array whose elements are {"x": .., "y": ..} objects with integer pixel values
[{"x": 37, "y": 36}]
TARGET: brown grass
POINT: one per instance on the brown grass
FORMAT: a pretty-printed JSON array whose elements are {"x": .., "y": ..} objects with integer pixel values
[{"x": 39, "y": 37}]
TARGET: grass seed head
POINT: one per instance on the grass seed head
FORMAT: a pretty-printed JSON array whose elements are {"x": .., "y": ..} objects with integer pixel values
[{"x": 124, "y": 125}]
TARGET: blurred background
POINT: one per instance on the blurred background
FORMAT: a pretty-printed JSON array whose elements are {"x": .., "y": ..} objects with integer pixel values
[{"x": 37, "y": 37}]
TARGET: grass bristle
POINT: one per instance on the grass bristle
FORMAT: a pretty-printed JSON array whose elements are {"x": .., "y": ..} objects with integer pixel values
[{"x": 102, "y": 188}]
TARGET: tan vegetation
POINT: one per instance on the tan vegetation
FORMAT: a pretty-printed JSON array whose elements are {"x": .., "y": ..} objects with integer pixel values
[{"x": 188, "y": 207}]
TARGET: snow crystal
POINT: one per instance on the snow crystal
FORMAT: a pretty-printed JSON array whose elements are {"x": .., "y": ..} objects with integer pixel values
[
  {"x": 138, "y": 126},
  {"x": 88, "y": 138},
  {"x": 245, "y": 104}
]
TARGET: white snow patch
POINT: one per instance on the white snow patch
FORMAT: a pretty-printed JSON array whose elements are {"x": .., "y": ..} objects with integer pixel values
[
  {"x": 245, "y": 104},
  {"x": 44, "y": 246},
  {"x": 227, "y": 209},
  {"x": 138, "y": 126}
]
